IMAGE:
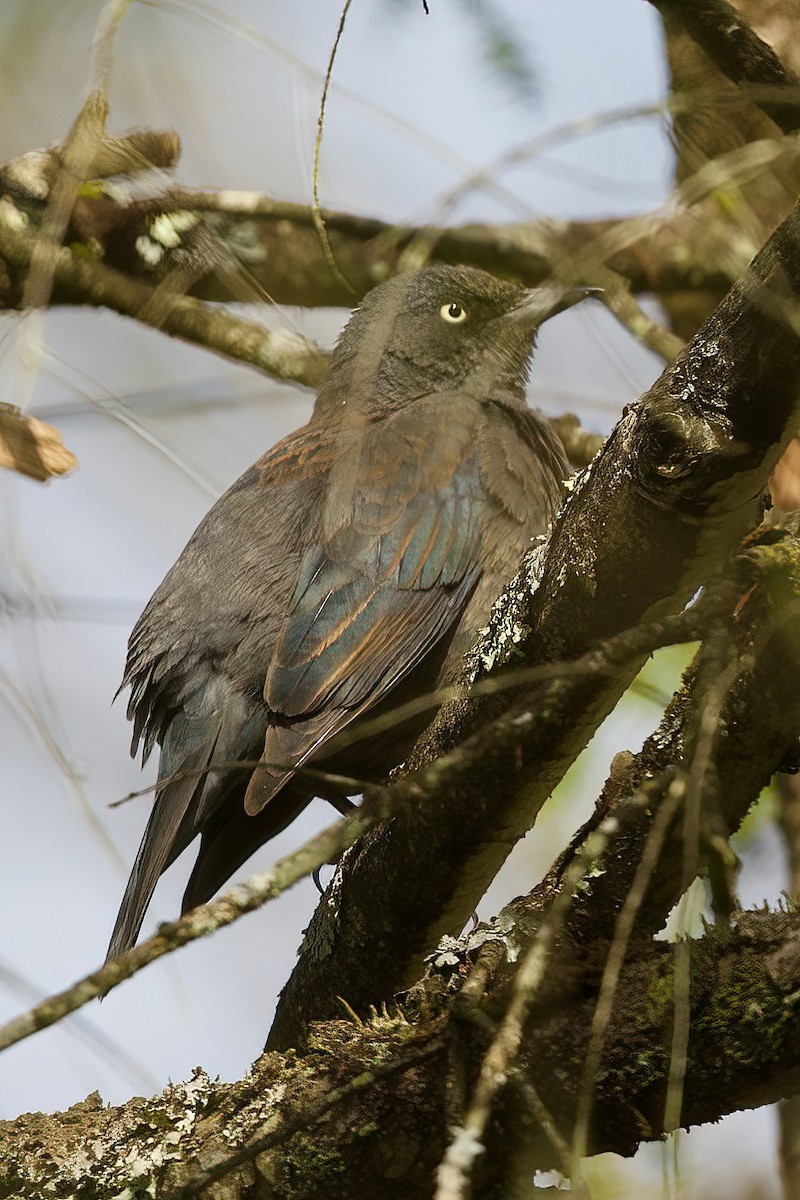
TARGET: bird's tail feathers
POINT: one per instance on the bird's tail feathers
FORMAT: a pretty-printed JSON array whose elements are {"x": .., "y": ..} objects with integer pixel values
[{"x": 172, "y": 826}]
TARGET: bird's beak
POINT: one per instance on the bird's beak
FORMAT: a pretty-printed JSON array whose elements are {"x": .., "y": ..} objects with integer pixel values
[{"x": 542, "y": 303}]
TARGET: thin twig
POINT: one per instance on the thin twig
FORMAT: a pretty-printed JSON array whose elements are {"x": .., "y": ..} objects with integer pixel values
[
  {"x": 200, "y": 922},
  {"x": 316, "y": 211}
]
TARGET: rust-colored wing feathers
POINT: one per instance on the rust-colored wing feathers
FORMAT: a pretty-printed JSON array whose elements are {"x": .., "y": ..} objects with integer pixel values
[{"x": 376, "y": 596}]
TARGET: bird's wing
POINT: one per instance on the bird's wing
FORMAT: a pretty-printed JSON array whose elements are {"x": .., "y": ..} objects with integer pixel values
[
  {"x": 376, "y": 595},
  {"x": 198, "y": 655}
]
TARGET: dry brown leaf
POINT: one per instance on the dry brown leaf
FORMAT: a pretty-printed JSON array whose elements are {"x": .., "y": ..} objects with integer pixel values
[{"x": 31, "y": 446}]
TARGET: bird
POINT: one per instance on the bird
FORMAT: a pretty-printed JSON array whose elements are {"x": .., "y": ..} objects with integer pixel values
[{"x": 345, "y": 573}]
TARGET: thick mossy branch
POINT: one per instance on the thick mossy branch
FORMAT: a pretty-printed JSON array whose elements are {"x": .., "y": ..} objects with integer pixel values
[
  {"x": 666, "y": 502},
  {"x": 367, "y": 1112}
]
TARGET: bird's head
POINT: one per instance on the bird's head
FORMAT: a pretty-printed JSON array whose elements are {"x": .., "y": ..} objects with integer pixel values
[{"x": 440, "y": 329}]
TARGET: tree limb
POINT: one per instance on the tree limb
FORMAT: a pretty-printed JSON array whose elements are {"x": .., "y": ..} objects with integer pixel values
[
  {"x": 280, "y": 353},
  {"x": 740, "y": 54},
  {"x": 369, "y": 1105}
]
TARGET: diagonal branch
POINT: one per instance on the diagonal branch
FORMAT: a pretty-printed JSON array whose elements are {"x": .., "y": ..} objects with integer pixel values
[
  {"x": 328, "y": 845},
  {"x": 740, "y": 54}
]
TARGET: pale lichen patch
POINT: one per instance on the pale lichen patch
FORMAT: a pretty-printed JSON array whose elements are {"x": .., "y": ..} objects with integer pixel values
[{"x": 150, "y": 251}]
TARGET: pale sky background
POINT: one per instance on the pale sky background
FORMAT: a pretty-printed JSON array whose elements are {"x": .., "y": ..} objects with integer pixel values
[{"x": 161, "y": 429}]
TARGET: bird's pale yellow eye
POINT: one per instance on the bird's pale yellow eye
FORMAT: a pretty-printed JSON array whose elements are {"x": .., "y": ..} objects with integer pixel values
[{"x": 454, "y": 313}]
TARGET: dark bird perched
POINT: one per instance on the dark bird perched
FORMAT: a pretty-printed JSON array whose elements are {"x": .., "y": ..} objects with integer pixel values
[{"x": 346, "y": 572}]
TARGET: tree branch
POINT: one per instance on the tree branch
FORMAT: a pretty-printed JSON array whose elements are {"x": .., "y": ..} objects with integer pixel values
[
  {"x": 760, "y": 722},
  {"x": 280, "y": 353},
  {"x": 370, "y": 1104},
  {"x": 328, "y": 845},
  {"x": 740, "y": 54},
  {"x": 199, "y": 922}
]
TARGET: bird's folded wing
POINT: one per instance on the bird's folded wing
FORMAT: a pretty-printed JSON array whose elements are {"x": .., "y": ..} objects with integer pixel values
[{"x": 369, "y": 605}]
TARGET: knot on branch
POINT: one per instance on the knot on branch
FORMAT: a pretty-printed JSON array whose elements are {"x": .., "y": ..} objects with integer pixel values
[{"x": 681, "y": 453}]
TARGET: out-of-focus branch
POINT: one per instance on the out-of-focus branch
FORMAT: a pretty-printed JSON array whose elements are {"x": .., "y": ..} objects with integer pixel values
[
  {"x": 271, "y": 250},
  {"x": 245, "y": 246},
  {"x": 141, "y": 150},
  {"x": 280, "y": 353},
  {"x": 737, "y": 51},
  {"x": 80, "y": 150},
  {"x": 579, "y": 444}
]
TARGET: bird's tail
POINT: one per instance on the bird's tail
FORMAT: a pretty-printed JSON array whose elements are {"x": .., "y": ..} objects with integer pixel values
[
  {"x": 233, "y": 836},
  {"x": 278, "y": 764},
  {"x": 169, "y": 831}
]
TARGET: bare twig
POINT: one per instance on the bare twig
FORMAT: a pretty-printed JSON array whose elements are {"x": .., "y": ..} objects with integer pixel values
[
  {"x": 200, "y": 922},
  {"x": 316, "y": 211},
  {"x": 579, "y": 444}
]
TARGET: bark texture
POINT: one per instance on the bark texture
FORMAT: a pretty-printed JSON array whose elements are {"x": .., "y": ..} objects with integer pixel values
[{"x": 366, "y": 1114}]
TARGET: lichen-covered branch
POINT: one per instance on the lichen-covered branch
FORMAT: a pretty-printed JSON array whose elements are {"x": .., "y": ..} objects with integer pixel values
[
  {"x": 370, "y": 1105},
  {"x": 81, "y": 279}
]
